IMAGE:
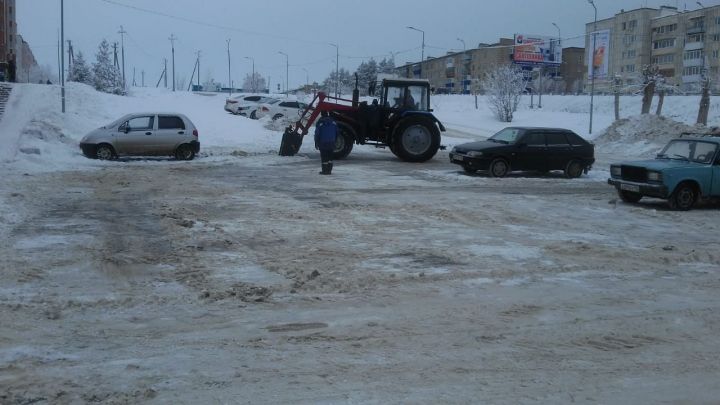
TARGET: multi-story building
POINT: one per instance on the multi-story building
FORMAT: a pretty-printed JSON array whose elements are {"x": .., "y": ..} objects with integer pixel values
[
  {"x": 686, "y": 45},
  {"x": 683, "y": 44},
  {"x": 459, "y": 72},
  {"x": 8, "y": 35},
  {"x": 26, "y": 63},
  {"x": 462, "y": 72}
]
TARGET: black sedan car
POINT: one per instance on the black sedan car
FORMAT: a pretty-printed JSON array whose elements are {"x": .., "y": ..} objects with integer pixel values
[{"x": 527, "y": 149}]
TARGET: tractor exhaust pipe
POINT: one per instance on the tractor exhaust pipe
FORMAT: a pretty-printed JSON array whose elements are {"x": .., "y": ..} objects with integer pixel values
[{"x": 356, "y": 93}]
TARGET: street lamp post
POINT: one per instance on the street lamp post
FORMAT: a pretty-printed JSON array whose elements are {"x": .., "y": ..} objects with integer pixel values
[
  {"x": 422, "y": 54},
  {"x": 337, "y": 68},
  {"x": 172, "y": 39},
  {"x": 287, "y": 73},
  {"x": 307, "y": 78},
  {"x": 252, "y": 80},
  {"x": 229, "y": 75},
  {"x": 559, "y": 43},
  {"x": 462, "y": 62},
  {"x": 592, "y": 66},
  {"x": 62, "y": 54}
]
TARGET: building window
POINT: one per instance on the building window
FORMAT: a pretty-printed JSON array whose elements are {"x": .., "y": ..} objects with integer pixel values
[
  {"x": 717, "y": 20},
  {"x": 631, "y": 54},
  {"x": 632, "y": 25},
  {"x": 695, "y": 38},
  {"x": 696, "y": 54},
  {"x": 665, "y": 29},
  {"x": 630, "y": 68},
  {"x": 715, "y": 54},
  {"x": 716, "y": 37},
  {"x": 692, "y": 70},
  {"x": 663, "y": 59},
  {"x": 629, "y": 39},
  {"x": 664, "y": 43},
  {"x": 624, "y": 26}
]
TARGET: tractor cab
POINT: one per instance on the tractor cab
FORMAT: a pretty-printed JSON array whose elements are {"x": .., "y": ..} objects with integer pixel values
[{"x": 404, "y": 94}]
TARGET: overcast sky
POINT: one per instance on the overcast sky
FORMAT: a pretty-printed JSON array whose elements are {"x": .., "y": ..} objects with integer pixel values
[{"x": 302, "y": 29}]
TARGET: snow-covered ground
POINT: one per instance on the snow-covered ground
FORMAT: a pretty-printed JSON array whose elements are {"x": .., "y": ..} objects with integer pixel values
[{"x": 243, "y": 276}]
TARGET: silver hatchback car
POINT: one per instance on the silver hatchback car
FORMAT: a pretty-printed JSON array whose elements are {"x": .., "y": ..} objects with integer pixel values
[{"x": 143, "y": 134}]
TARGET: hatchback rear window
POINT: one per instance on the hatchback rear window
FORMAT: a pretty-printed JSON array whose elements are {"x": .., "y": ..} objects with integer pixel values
[
  {"x": 170, "y": 122},
  {"x": 252, "y": 98},
  {"x": 574, "y": 139}
]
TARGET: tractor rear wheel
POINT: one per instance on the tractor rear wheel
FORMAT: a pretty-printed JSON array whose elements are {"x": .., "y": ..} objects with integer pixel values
[
  {"x": 416, "y": 139},
  {"x": 344, "y": 141}
]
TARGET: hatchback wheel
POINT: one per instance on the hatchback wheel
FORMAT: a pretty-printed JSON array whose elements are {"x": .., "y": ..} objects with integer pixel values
[
  {"x": 184, "y": 152},
  {"x": 499, "y": 168},
  {"x": 105, "y": 152},
  {"x": 629, "y": 196},
  {"x": 253, "y": 115},
  {"x": 574, "y": 169},
  {"x": 277, "y": 117}
]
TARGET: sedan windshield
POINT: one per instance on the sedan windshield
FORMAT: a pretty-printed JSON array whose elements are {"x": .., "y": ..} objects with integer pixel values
[
  {"x": 507, "y": 135},
  {"x": 692, "y": 151}
]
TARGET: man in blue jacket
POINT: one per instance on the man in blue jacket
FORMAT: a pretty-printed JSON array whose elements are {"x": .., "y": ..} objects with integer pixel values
[{"x": 325, "y": 134}]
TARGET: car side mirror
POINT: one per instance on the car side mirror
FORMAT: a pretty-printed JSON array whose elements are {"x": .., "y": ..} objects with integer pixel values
[{"x": 127, "y": 129}]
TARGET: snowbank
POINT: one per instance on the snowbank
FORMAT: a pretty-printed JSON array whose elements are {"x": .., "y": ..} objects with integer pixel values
[{"x": 643, "y": 135}]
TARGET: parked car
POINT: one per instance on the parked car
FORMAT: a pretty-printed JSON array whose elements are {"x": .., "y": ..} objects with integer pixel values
[
  {"x": 527, "y": 149},
  {"x": 246, "y": 105},
  {"x": 686, "y": 170},
  {"x": 278, "y": 109},
  {"x": 143, "y": 134}
]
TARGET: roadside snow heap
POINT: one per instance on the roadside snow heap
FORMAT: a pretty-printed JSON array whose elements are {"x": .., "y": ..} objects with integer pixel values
[{"x": 643, "y": 134}]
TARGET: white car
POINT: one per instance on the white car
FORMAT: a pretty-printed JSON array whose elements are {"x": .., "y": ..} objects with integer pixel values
[
  {"x": 246, "y": 105},
  {"x": 278, "y": 109}
]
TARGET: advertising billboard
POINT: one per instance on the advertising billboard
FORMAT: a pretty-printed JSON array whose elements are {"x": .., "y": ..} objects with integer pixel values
[
  {"x": 599, "y": 60},
  {"x": 537, "y": 50}
]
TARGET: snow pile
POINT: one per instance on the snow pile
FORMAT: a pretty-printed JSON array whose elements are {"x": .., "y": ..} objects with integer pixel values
[
  {"x": 36, "y": 136},
  {"x": 642, "y": 134}
]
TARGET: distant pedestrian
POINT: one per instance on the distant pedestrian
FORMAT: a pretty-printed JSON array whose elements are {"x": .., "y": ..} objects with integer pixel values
[
  {"x": 48, "y": 82},
  {"x": 325, "y": 135}
]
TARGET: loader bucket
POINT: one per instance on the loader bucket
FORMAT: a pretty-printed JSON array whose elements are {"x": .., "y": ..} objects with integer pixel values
[{"x": 291, "y": 141}]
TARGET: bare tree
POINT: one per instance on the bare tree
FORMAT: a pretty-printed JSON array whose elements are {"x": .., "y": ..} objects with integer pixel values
[
  {"x": 650, "y": 77},
  {"x": 704, "y": 99},
  {"x": 616, "y": 87},
  {"x": 504, "y": 85}
]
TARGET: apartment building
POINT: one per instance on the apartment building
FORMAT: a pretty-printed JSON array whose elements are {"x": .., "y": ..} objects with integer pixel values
[
  {"x": 686, "y": 46},
  {"x": 8, "y": 35},
  {"x": 458, "y": 72},
  {"x": 683, "y": 44},
  {"x": 572, "y": 69}
]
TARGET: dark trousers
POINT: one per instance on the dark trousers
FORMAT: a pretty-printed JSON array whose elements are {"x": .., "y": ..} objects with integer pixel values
[{"x": 326, "y": 160}]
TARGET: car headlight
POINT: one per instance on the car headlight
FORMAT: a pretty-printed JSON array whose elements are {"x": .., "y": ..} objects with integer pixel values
[
  {"x": 615, "y": 171},
  {"x": 474, "y": 153},
  {"x": 654, "y": 176}
]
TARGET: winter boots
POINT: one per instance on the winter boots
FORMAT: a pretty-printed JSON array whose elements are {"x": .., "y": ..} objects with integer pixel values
[{"x": 326, "y": 168}]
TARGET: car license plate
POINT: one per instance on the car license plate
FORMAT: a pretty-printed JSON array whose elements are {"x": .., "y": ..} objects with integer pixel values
[
  {"x": 458, "y": 158},
  {"x": 630, "y": 187}
]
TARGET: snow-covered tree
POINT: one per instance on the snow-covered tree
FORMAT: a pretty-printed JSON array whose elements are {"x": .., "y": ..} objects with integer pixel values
[
  {"x": 386, "y": 66},
  {"x": 651, "y": 76},
  {"x": 107, "y": 77},
  {"x": 80, "y": 71},
  {"x": 254, "y": 85},
  {"x": 343, "y": 80},
  {"x": 504, "y": 85},
  {"x": 367, "y": 73}
]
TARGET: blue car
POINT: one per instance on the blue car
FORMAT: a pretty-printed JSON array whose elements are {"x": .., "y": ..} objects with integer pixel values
[{"x": 687, "y": 170}]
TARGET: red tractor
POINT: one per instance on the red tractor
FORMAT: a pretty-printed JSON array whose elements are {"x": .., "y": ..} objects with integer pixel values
[{"x": 402, "y": 121}]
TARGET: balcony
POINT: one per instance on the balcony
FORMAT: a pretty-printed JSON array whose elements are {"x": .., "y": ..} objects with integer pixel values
[
  {"x": 691, "y": 46},
  {"x": 696, "y": 30},
  {"x": 694, "y": 62}
]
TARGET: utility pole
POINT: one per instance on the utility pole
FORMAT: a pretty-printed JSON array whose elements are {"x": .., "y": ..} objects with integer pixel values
[
  {"x": 559, "y": 44},
  {"x": 287, "y": 73},
  {"x": 462, "y": 77},
  {"x": 307, "y": 78},
  {"x": 115, "y": 58},
  {"x": 229, "y": 75},
  {"x": 143, "y": 78},
  {"x": 337, "y": 69},
  {"x": 62, "y": 54},
  {"x": 71, "y": 56},
  {"x": 134, "y": 82},
  {"x": 198, "y": 65},
  {"x": 422, "y": 55},
  {"x": 172, "y": 39},
  {"x": 122, "y": 33},
  {"x": 592, "y": 66}
]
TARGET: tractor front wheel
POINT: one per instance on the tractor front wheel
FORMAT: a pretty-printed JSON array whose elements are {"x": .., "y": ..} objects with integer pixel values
[
  {"x": 344, "y": 141},
  {"x": 416, "y": 139}
]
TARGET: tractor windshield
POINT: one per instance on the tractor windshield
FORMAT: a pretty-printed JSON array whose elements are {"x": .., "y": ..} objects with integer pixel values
[{"x": 407, "y": 97}]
